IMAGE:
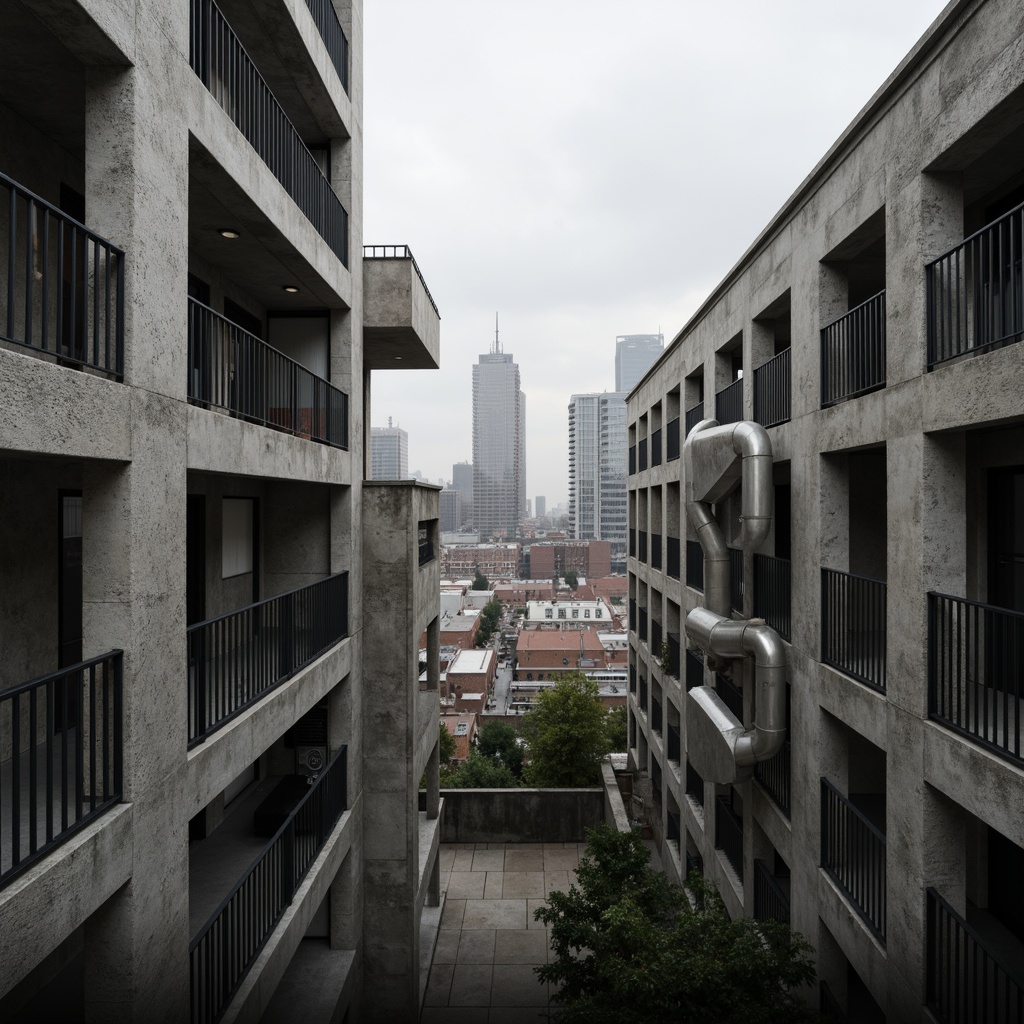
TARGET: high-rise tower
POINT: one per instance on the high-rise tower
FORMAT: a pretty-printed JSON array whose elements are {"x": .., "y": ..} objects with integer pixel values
[
  {"x": 389, "y": 453},
  {"x": 499, "y": 429},
  {"x": 634, "y": 354}
]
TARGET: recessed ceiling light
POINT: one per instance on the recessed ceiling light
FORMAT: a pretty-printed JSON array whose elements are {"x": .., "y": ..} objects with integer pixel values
[
  {"x": 398, "y": 359},
  {"x": 290, "y": 289},
  {"x": 229, "y": 232}
]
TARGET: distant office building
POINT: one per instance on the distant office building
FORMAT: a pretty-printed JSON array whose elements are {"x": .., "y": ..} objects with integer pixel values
[
  {"x": 499, "y": 490},
  {"x": 597, "y": 468},
  {"x": 451, "y": 510},
  {"x": 634, "y": 354},
  {"x": 389, "y": 453},
  {"x": 541, "y": 505},
  {"x": 462, "y": 481},
  {"x": 590, "y": 559}
]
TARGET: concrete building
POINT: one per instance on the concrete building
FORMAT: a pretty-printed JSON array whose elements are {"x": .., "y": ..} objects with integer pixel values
[
  {"x": 462, "y": 481},
  {"x": 597, "y": 469},
  {"x": 451, "y": 510},
  {"x": 540, "y": 506},
  {"x": 587, "y": 558},
  {"x": 389, "y": 453},
  {"x": 495, "y": 561},
  {"x": 571, "y": 614},
  {"x": 634, "y": 354},
  {"x": 499, "y": 446},
  {"x": 876, "y": 322},
  {"x": 197, "y": 578}
]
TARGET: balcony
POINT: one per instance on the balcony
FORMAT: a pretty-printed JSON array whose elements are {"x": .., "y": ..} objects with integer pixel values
[
  {"x": 853, "y": 352},
  {"x": 774, "y": 777},
  {"x": 656, "y": 551},
  {"x": 401, "y": 324},
  {"x": 673, "y": 832},
  {"x": 694, "y": 565},
  {"x": 227, "y": 945},
  {"x": 694, "y": 785},
  {"x": 976, "y": 672},
  {"x": 672, "y": 440},
  {"x": 731, "y": 694},
  {"x": 966, "y": 982},
  {"x": 632, "y": 542},
  {"x": 736, "y": 579},
  {"x": 642, "y": 455},
  {"x": 62, "y": 744},
  {"x": 632, "y": 459},
  {"x": 632, "y": 678},
  {"x": 222, "y": 65},
  {"x": 642, "y": 624},
  {"x": 655, "y": 715},
  {"x": 975, "y": 299},
  {"x": 853, "y": 856},
  {"x": 237, "y": 658},
  {"x": 234, "y": 371},
  {"x": 673, "y": 557},
  {"x": 773, "y": 593},
  {"x": 656, "y": 638},
  {"x": 64, "y": 294},
  {"x": 656, "y": 448},
  {"x": 729, "y": 834},
  {"x": 694, "y": 862},
  {"x": 333, "y": 36},
  {"x": 694, "y": 416},
  {"x": 643, "y": 695},
  {"x": 673, "y": 655},
  {"x": 853, "y": 614},
  {"x": 425, "y": 543},
  {"x": 771, "y": 900},
  {"x": 674, "y": 747},
  {"x": 694, "y": 668},
  {"x": 642, "y": 545},
  {"x": 773, "y": 390},
  {"x": 729, "y": 403},
  {"x": 633, "y": 622}
]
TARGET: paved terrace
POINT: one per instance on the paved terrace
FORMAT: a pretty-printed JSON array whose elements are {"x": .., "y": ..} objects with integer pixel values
[{"x": 488, "y": 943}]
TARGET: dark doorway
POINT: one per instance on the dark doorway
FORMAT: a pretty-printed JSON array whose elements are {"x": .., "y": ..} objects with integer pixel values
[
  {"x": 195, "y": 558},
  {"x": 1006, "y": 538}
]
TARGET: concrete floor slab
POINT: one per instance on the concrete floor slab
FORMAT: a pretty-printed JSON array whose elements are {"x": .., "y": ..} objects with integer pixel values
[
  {"x": 521, "y": 946},
  {"x": 495, "y": 914},
  {"x": 447, "y": 948},
  {"x": 463, "y": 885},
  {"x": 453, "y": 913},
  {"x": 489, "y": 860},
  {"x": 439, "y": 985},
  {"x": 524, "y": 884},
  {"x": 494, "y": 885},
  {"x": 517, "y": 985},
  {"x": 471, "y": 985},
  {"x": 476, "y": 946},
  {"x": 524, "y": 860}
]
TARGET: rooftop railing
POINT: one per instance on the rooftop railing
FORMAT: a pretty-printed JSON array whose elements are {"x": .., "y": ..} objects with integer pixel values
[
  {"x": 64, "y": 290},
  {"x": 853, "y": 856},
  {"x": 853, "y": 352},
  {"x": 61, "y": 741},
  {"x": 237, "y": 658},
  {"x": 975, "y": 298},
  {"x": 233, "y": 370},
  {"x": 773, "y": 390},
  {"x": 976, "y": 672},
  {"x": 729, "y": 403},
  {"x": 221, "y": 955},
  {"x": 853, "y": 626},
  {"x": 399, "y": 252},
  {"x": 219, "y": 59}
]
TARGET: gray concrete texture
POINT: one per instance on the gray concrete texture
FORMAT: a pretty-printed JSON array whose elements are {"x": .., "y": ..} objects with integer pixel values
[{"x": 521, "y": 815}]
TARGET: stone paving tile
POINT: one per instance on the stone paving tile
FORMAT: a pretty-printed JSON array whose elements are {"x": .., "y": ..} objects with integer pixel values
[
  {"x": 521, "y": 946},
  {"x": 494, "y": 885},
  {"x": 471, "y": 985},
  {"x": 463, "y": 860},
  {"x": 517, "y": 985},
  {"x": 489, "y": 860},
  {"x": 467, "y": 885},
  {"x": 557, "y": 881},
  {"x": 518, "y": 1015},
  {"x": 445, "y": 859},
  {"x": 476, "y": 946},
  {"x": 495, "y": 914},
  {"x": 524, "y": 884},
  {"x": 561, "y": 860},
  {"x": 452, "y": 914},
  {"x": 447, "y": 946},
  {"x": 456, "y": 1015},
  {"x": 531, "y": 906},
  {"x": 524, "y": 860},
  {"x": 439, "y": 985}
]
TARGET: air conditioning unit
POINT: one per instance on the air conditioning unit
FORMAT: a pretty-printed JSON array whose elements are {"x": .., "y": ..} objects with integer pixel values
[{"x": 311, "y": 760}]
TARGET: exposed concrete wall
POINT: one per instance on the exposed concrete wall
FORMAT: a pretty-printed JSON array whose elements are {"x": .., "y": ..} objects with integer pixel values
[{"x": 521, "y": 815}]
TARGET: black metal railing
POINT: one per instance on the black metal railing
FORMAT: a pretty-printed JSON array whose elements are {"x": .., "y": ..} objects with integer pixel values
[
  {"x": 222, "y": 952},
  {"x": 672, "y": 440},
  {"x": 674, "y": 831},
  {"x": 729, "y": 403},
  {"x": 966, "y": 982},
  {"x": 655, "y": 550},
  {"x": 399, "y": 252},
  {"x": 656, "y": 639},
  {"x": 641, "y": 545},
  {"x": 770, "y": 900},
  {"x": 641, "y": 455},
  {"x": 673, "y": 559},
  {"x": 694, "y": 416},
  {"x": 773, "y": 391},
  {"x": 63, "y": 736},
  {"x": 632, "y": 678},
  {"x": 774, "y": 777},
  {"x": 333, "y": 35},
  {"x": 64, "y": 290},
  {"x": 694, "y": 668},
  {"x": 643, "y": 694},
  {"x": 729, "y": 834},
  {"x": 853, "y": 611},
  {"x": 233, "y": 370},
  {"x": 853, "y": 856},
  {"x": 830, "y": 1008},
  {"x": 219, "y": 59},
  {"x": 237, "y": 658},
  {"x": 694, "y": 784},
  {"x": 632, "y": 459},
  {"x": 656, "y": 448},
  {"x": 853, "y": 352},
  {"x": 674, "y": 747},
  {"x": 731, "y": 694},
  {"x": 632, "y": 542},
  {"x": 976, "y": 671},
  {"x": 975, "y": 298},
  {"x": 642, "y": 623},
  {"x": 655, "y": 714},
  {"x": 736, "y": 579},
  {"x": 633, "y": 621},
  {"x": 674, "y": 648},
  {"x": 425, "y": 541},
  {"x": 694, "y": 565},
  {"x": 773, "y": 594}
]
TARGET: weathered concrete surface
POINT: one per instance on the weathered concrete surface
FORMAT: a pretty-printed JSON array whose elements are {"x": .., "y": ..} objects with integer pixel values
[
  {"x": 402, "y": 328},
  {"x": 521, "y": 815}
]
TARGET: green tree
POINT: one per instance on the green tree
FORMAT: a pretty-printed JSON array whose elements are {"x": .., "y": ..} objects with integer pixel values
[
  {"x": 479, "y": 772},
  {"x": 490, "y": 617},
  {"x": 446, "y": 745},
  {"x": 615, "y": 729},
  {"x": 566, "y": 736},
  {"x": 500, "y": 743},
  {"x": 572, "y": 581},
  {"x": 630, "y": 948},
  {"x": 480, "y": 581}
]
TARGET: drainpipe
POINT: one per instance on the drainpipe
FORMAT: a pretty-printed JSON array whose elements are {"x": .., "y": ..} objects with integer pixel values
[{"x": 716, "y": 460}]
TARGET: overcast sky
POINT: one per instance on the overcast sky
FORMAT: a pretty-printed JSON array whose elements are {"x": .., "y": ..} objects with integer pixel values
[{"x": 590, "y": 169}]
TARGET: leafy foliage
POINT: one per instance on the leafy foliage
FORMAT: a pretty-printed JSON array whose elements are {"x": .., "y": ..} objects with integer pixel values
[
  {"x": 480, "y": 581},
  {"x": 500, "y": 742},
  {"x": 572, "y": 580},
  {"x": 447, "y": 746},
  {"x": 566, "y": 735},
  {"x": 630, "y": 947},
  {"x": 480, "y": 772},
  {"x": 490, "y": 617},
  {"x": 615, "y": 729}
]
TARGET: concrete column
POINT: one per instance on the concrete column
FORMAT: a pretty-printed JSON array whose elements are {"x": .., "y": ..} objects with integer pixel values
[{"x": 434, "y": 782}]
